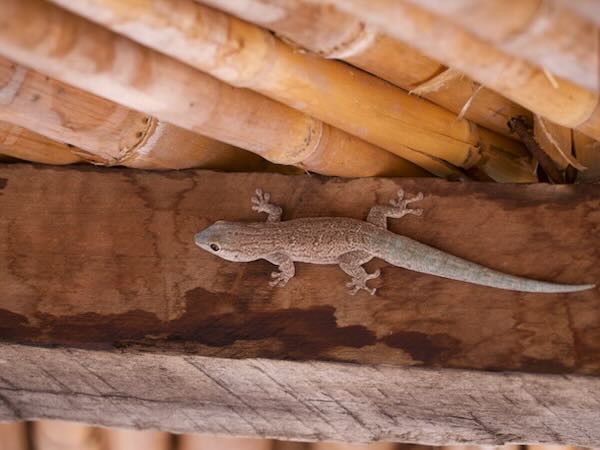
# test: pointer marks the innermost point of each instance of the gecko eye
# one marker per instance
(215, 247)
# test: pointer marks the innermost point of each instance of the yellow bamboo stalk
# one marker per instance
(106, 133)
(61, 435)
(41, 36)
(567, 104)
(121, 439)
(21, 143)
(244, 55)
(205, 442)
(542, 32)
(13, 436)
(587, 151)
(335, 34)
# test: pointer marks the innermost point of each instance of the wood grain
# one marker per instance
(105, 258)
(297, 400)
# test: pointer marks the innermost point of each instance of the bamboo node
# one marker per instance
(357, 44)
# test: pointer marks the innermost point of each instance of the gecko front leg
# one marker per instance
(286, 269)
(351, 263)
(260, 203)
(379, 213)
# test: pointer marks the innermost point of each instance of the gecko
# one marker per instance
(350, 243)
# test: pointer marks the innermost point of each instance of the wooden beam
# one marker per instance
(294, 400)
(111, 315)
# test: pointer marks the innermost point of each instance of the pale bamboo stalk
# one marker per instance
(106, 133)
(13, 436)
(345, 446)
(542, 32)
(121, 439)
(94, 59)
(24, 144)
(587, 151)
(589, 9)
(335, 34)
(568, 104)
(349, 99)
(205, 442)
(61, 435)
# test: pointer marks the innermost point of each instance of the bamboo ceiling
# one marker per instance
(336, 87)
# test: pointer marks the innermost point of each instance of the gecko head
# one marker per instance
(225, 240)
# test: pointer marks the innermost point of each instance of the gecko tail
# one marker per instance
(412, 255)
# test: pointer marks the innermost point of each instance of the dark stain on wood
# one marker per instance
(302, 333)
(423, 347)
(3, 183)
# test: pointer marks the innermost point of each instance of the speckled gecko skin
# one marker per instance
(350, 243)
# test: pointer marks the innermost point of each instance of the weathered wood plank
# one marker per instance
(297, 400)
(104, 258)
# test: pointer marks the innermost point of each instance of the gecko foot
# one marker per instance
(261, 203)
(402, 203)
(361, 283)
(279, 279)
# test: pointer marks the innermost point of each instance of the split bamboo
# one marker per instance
(543, 32)
(13, 436)
(565, 103)
(21, 143)
(46, 38)
(555, 140)
(247, 56)
(122, 439)
(334, 34)
(61, 435)
(106, 133)
(206, 442)
(587, 151)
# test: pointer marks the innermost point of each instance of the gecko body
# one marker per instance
(350, 243)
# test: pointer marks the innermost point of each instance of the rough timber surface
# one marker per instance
(105, 259)
(297, 400)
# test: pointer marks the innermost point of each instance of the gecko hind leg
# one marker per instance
(351, 263)
(261, 203)
(399, 208)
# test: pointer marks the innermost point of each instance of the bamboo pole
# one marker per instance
(106, 133)
(61, 435)
(567, 104)
(205, 442)
(542, 32)
(46, 38)
(335, 34)
(122, 439)
(590, 9)
(13, 436)
(244, 55)
(21, 143)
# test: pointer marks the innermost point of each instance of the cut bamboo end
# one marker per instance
(556, 142)
(111, 66)
(18, 142)
(547, 34)
(522, 82)
(334, 34)
(349, 99)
